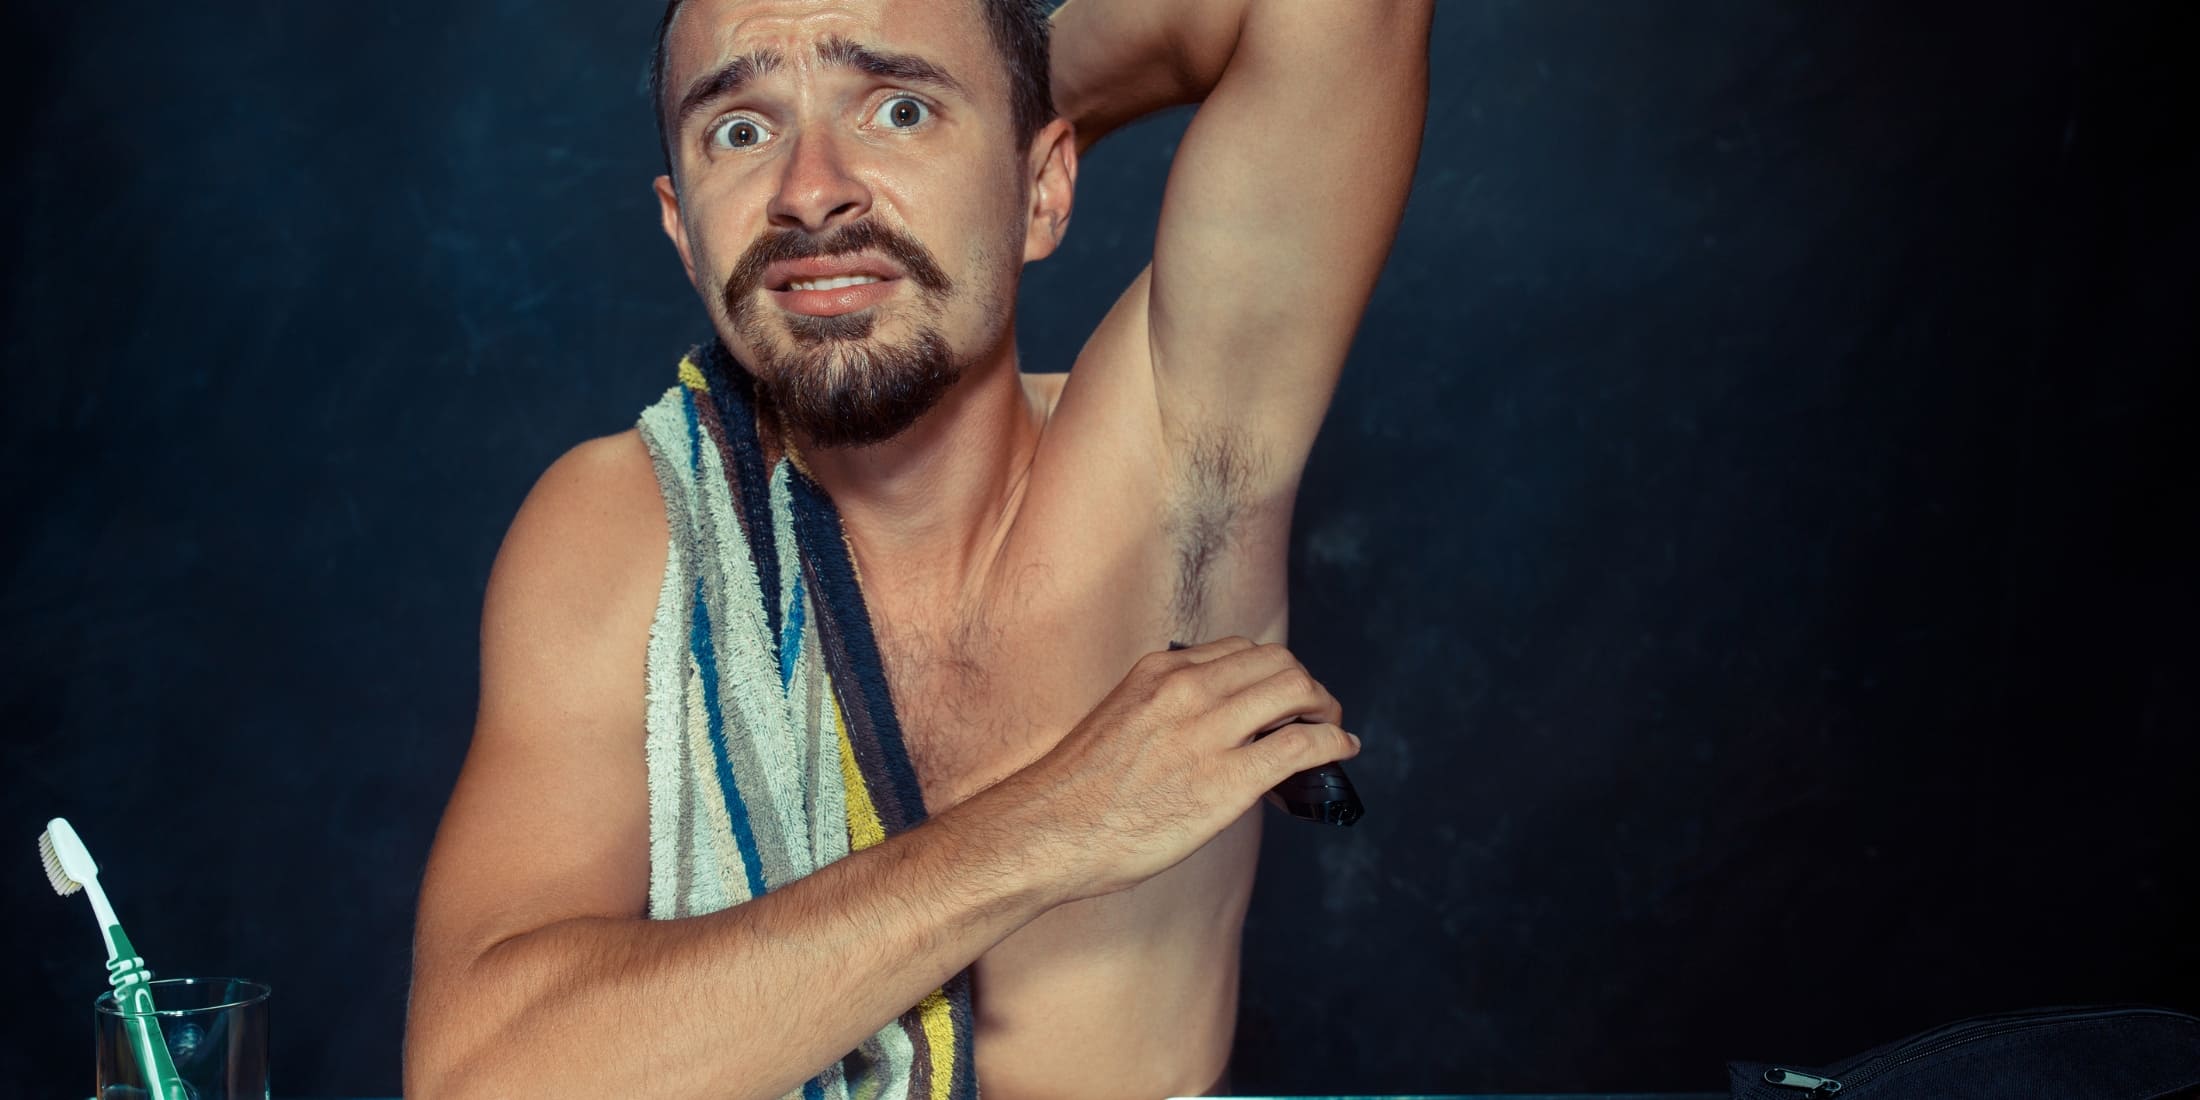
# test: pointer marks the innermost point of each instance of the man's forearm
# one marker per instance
(1114, 61)
(745, 1002)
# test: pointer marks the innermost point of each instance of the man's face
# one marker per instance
(851, 200)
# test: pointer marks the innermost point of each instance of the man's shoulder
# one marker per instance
(603, 463)
(602, 489)
(589, 541)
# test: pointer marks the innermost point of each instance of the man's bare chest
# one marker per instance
(1103, 559)
(981, 697)
(982, 693)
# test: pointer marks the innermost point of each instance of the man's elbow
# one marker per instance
(445, 1034)
(438, 1067)
(427, 1068)
(427, 1074)
(1363, 32)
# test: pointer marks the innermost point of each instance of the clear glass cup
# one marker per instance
(216, 1030)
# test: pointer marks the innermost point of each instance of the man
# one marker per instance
(853, 186)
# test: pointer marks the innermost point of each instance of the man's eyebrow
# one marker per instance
(724, 81)
(905, 68)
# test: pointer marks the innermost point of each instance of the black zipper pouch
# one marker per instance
(2110, 1052)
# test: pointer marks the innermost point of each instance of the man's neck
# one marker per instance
(928, 507)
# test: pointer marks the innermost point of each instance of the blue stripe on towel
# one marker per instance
(743, 837)
(790, 639)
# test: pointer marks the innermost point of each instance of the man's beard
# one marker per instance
(838, 387)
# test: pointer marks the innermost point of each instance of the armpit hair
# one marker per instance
(1207, 512)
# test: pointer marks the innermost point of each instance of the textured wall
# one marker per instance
(1748, 535)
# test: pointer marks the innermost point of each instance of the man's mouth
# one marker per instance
(830, 286)
(834, 282)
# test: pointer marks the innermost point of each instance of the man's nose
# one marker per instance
(817, 191)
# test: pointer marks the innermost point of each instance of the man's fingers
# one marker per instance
(1288, 694)
(1293, 749)
(1214, 650)
(1240, 669)
(1177, 660)
(1202, 676)
(1236, 689)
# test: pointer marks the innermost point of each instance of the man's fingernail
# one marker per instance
(1355, 739)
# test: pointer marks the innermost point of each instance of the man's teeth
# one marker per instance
(834, 283)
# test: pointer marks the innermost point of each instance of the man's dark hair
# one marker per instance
(1018, 29)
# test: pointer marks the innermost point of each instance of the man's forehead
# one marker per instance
(708, 33)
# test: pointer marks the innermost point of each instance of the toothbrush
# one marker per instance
(70, 868)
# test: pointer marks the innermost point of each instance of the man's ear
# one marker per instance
(668, 208)
(1052, 173)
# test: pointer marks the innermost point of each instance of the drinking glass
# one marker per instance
(216, 1030)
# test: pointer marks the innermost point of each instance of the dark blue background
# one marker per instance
(1751, 535)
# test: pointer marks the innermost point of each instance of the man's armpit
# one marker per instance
(1217, 490)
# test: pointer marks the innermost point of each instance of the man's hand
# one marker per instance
(1168, 760)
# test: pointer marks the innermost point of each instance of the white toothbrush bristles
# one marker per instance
(62, 883)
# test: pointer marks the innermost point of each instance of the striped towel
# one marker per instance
(772, 744)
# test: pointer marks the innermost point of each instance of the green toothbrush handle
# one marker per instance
(127, 974)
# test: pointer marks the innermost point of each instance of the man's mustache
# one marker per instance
(860, 236)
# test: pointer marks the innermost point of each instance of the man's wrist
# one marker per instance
(1009, 851)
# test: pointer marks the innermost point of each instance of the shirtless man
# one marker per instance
(1027, 544)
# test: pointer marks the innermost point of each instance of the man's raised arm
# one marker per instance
(1282, 201)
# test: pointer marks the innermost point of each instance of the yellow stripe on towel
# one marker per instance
(864, 829)
(939, 1034)
(691, 375)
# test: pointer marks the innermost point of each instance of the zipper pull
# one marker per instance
(1794, 1079)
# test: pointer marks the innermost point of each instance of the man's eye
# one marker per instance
(739, 132)
(901, 112)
